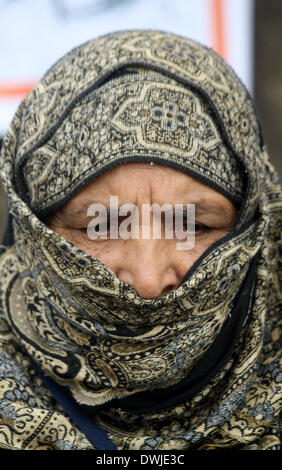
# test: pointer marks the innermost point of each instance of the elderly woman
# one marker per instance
(129, 342)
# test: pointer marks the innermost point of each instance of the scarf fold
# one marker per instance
(201, 364)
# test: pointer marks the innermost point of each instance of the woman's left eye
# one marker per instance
(199, 228)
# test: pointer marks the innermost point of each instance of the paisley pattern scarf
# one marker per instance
(195, 369)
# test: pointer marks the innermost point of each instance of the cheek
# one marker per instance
(115, 253)
(202, 243)
(184, 259)
(77, 238)
(103, 250)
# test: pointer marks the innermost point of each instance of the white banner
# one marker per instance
(35, 33)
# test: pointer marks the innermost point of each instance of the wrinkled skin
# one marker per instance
(153, 267)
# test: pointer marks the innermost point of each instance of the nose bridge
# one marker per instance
(148, 268)
(148, 256)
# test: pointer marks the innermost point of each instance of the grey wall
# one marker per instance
(268, 74)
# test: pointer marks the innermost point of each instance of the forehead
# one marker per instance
(139, 175)
(148, 183)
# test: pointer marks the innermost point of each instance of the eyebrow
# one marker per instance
(201, 207)
(81, 210)
(204, 207)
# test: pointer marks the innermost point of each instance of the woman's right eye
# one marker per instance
(103, 229)
(98, 228)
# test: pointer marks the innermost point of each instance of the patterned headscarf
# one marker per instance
(196, 368)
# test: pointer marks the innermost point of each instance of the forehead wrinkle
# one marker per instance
(132, 187)
(143, 188)
(149, 191)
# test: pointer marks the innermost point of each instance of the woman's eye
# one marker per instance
(186, 227)
(199, 228)
(83, 231)
(99, 228)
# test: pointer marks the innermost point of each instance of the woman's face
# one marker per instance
(154, 266)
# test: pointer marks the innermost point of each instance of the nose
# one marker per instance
(149, 267)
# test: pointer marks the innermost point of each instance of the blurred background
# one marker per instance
(247, 33)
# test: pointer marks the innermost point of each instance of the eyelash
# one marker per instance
(202, 229)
